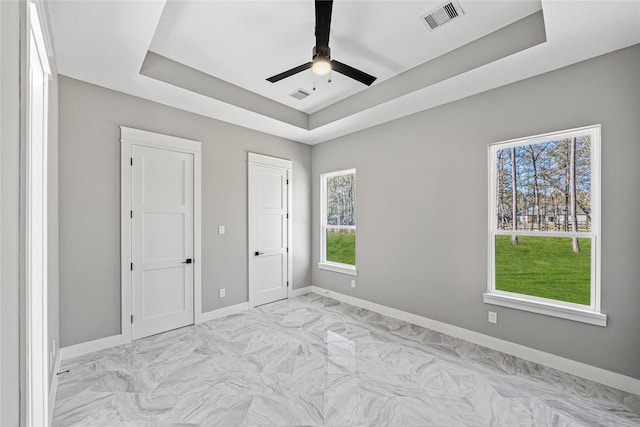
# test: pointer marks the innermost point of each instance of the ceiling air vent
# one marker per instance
(300, 94)
(442, 14)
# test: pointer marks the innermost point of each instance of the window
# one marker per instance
(544, 225)
(338, 217)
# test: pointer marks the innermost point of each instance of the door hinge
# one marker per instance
(287, 283)
(130, 214)
(287, 216)
(287, 182)
(132, 318)
(287, 250)
(131, 266)
(131, 161)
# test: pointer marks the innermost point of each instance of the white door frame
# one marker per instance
(35, 112)
(130, 137)
(262, 160)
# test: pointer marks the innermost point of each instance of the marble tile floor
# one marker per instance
(315, 361)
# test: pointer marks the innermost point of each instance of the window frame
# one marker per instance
(582, 313)
(324, 264)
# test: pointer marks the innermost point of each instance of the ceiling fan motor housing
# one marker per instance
(321, 51)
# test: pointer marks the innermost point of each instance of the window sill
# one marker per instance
(549, 309)
(338, 268)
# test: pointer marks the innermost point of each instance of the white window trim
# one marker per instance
(587, 314)
(324, 264)
(338, 267)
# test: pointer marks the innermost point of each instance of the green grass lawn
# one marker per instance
(341, 246)
(544, 267)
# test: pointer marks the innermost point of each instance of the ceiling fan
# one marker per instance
(321, 63)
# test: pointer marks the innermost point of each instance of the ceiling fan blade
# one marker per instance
(355, 74)
(323, 24)
(323, 27)
(290, 72)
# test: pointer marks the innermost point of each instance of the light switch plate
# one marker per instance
(221, 229)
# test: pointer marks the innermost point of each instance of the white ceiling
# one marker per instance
(244, 42)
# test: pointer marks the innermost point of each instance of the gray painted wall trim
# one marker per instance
(513, 38)
(166, 70)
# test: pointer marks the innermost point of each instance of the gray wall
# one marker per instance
(413, 254)
(9, 213)
(89, 159)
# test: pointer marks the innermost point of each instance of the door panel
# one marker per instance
(270, 190)
(161, 232)
(162, 240)
(162, 290)
(270, 266)
(269, 234)
(163, 178)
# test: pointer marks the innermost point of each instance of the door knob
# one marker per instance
(187, 261)
(258, 253)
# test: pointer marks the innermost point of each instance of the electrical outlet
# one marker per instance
(493, 317)
(353, 283)
(223, 293)
(221, 229)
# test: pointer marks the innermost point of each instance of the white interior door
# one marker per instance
(269, 234)
(161, 240)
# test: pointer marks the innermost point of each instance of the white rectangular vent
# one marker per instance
(300, 94)
(442, 14)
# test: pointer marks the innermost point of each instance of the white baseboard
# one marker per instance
(53, 388)
(225, 311)
(300, 291)
(593, 373)
(116, 340)
(91, 346)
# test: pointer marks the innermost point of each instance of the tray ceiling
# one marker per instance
(212, 57)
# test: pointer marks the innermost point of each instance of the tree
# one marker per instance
(501, 191)
(514, 196)
(341, 207)
(535, 151)
(572, 193)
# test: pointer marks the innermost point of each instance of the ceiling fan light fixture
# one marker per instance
(321, 61)
(321, 66)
